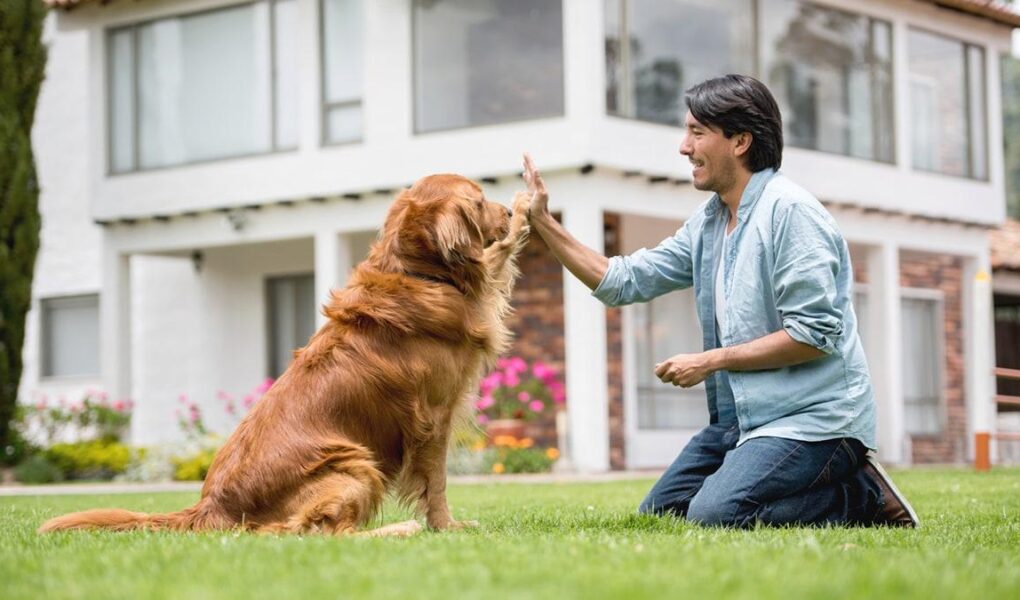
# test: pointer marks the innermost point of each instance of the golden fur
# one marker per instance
(367, 406)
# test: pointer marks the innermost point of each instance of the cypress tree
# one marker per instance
(22, 65)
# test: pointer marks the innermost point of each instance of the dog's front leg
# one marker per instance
(432, 470)
(499, 256)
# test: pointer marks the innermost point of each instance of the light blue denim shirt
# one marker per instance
(787, 267)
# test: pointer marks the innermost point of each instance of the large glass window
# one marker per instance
(342, 63)
(921, 317)
(655, 49)
(831, 73)
(291, 310)
(481, 62)
(69, 340)
(922, 365)
(947, 98)
(203, 86)
(664, 327)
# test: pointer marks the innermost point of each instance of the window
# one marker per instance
(923, 332)
(291, 312)
(69, 340)
(922, 365)
(831, 73)
(482, 62)
(342, 77)
(655, 49)
(203, 86)
(664, 327)
(947, 96)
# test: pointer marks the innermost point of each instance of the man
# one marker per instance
(790, 398)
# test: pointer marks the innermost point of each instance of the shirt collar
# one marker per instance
(755, 186)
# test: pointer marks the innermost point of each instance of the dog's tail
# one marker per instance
(115, 519)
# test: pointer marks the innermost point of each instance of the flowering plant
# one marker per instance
(189, 415)
(516, 390)
(94, 417)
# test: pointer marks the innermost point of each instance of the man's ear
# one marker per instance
(743, 143)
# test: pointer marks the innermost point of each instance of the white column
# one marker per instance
(332, 266)
(115, 323)
(584, 324)
(885, 349)
(902, 110)
(979, 349)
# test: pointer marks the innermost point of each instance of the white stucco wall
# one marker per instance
(196, 333)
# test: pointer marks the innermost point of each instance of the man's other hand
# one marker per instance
(686, 370)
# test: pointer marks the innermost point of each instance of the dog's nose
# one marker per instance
(509, 212)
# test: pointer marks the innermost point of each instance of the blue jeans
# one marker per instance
(767, 480)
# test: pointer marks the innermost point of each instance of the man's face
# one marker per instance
(712, 154)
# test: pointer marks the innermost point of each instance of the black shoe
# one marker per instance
(895, 511)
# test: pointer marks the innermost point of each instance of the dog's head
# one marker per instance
(439, 228)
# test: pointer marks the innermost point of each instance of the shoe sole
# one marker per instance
(871, 460)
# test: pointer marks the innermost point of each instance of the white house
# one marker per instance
(211, 168)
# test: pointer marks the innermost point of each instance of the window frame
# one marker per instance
(416, 131)
(627, 79)
(45, 354)
(966, 46)
(133, 27)
(939, 298)
(325, 106)
(270, 333)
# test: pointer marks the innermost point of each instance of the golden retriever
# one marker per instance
(367, 406)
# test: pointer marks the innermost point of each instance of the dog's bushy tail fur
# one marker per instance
(115, 519)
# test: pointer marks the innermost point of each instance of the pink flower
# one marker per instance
(230, 408)
(511, 379)
(183, 398)
(537, 406)
(119, 406)
(264, 386)
(485, 402)
(248, 401)
(559, 397)
(524, 397)
(224, 396)
(518, 364)
(542, 370)
(490, 382)
(483, 419)
(40, 405)
(503, 363)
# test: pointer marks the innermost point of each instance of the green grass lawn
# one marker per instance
(549, 540)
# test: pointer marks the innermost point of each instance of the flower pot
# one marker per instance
(514, 428)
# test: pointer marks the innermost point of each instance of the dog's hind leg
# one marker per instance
(344, 492)
(335, 504)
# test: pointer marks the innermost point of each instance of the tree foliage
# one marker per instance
(22, 65)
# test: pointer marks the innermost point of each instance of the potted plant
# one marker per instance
(514, 394)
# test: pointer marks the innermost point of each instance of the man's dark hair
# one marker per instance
(738, 103)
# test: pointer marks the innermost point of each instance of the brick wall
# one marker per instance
(614, 357)
(537, 321)
(538, 324)
(944, 273)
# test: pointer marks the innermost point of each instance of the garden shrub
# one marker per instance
(37, 469)
(95, 459)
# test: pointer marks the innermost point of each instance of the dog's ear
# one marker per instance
(459, 241)
(457, 236)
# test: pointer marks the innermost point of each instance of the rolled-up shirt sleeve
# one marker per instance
(646, 273)
(807, 263)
